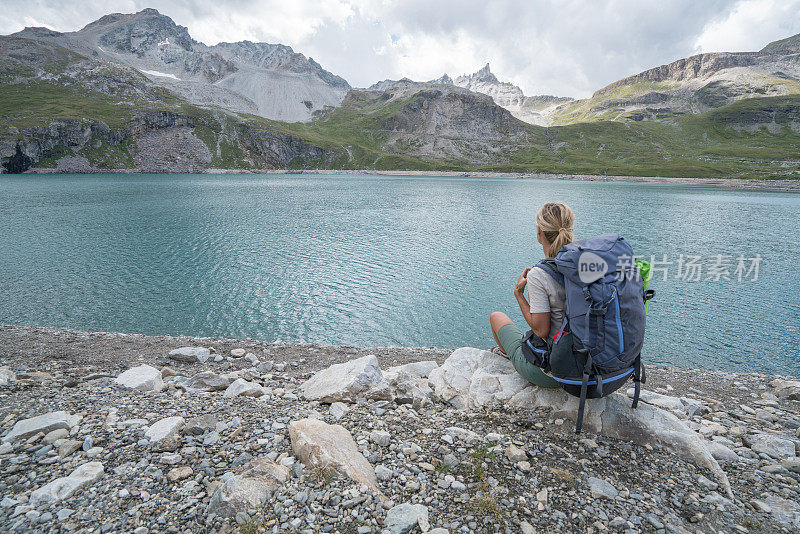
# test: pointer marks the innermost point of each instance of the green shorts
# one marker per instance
(511, 341)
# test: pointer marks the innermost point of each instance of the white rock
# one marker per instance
(41, 423)
(599, 488)
(6, 376)
(251, 358)
(237, 353)
(462, 433)
(338, 410)
(63, 487)
(613, 416)
(402, 518)
(380, 438)
(242, 387)
(789, 389)
(250, 490)
(141, 378)
(414, 369)
(515, 454)
(164, 428)
(783, 510)
(771, 445)
(347, 381)
(721, 452)
(681, 406)
(320, 445)
(190, 354)
(473, 379)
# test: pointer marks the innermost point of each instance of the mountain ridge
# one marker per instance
(135, 92)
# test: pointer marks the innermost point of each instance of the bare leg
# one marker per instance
(498, 320)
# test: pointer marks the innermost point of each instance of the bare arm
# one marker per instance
(539, 322)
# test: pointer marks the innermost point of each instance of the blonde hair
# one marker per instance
(555, 220)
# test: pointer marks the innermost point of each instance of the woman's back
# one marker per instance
(545, 295)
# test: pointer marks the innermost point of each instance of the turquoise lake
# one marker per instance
(386, 260)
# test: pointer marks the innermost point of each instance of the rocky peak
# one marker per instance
(784, 46)
(483, 76)
(138, 33)
(443, 80)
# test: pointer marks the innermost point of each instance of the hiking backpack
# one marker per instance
(604, 313)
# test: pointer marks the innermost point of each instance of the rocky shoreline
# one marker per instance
(784, 186)
(105, 432)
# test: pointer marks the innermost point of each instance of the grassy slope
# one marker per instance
(701, 145)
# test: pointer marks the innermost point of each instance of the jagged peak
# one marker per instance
(483, 75)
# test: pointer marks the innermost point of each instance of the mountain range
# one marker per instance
(135, 92)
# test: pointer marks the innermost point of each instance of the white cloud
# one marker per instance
(750, 25)
(564, 47)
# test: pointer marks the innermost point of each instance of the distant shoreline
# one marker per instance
(785, 186)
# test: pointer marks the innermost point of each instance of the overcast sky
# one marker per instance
(561, 47)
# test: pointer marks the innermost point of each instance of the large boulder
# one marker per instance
(249, 490)
(141, 378)
(210, 381)
(614, 417)
(348, 381)
(61, 488)
(474, 379)
(789, 389)
(190, 354)
(471, 378)
(330, 447)
(41, 423)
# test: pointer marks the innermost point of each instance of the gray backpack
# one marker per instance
(604, 319)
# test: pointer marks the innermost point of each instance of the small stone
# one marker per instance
(179, 473)
(190, 354)
(515, 454)
(383, 473)
(164, 428)
(238, 353)
(338, 410)
(69, 447)
(380, 438)
(402, 518)
(55, 435)
(141, 378)
(167, 372)
(241, 387)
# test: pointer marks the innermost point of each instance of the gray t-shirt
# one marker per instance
(546, 295)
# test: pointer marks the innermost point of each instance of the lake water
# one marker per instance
(383, 260)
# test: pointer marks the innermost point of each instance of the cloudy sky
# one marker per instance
(561, 47)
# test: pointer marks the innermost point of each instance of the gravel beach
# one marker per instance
(105, 432)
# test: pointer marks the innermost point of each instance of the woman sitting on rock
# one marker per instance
(544, 308)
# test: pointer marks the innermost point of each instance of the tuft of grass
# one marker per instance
(251, 526)
(323, 475)
(485, 505)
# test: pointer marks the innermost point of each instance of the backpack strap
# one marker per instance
(587, 369)
(549, 266)
(638, 378)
